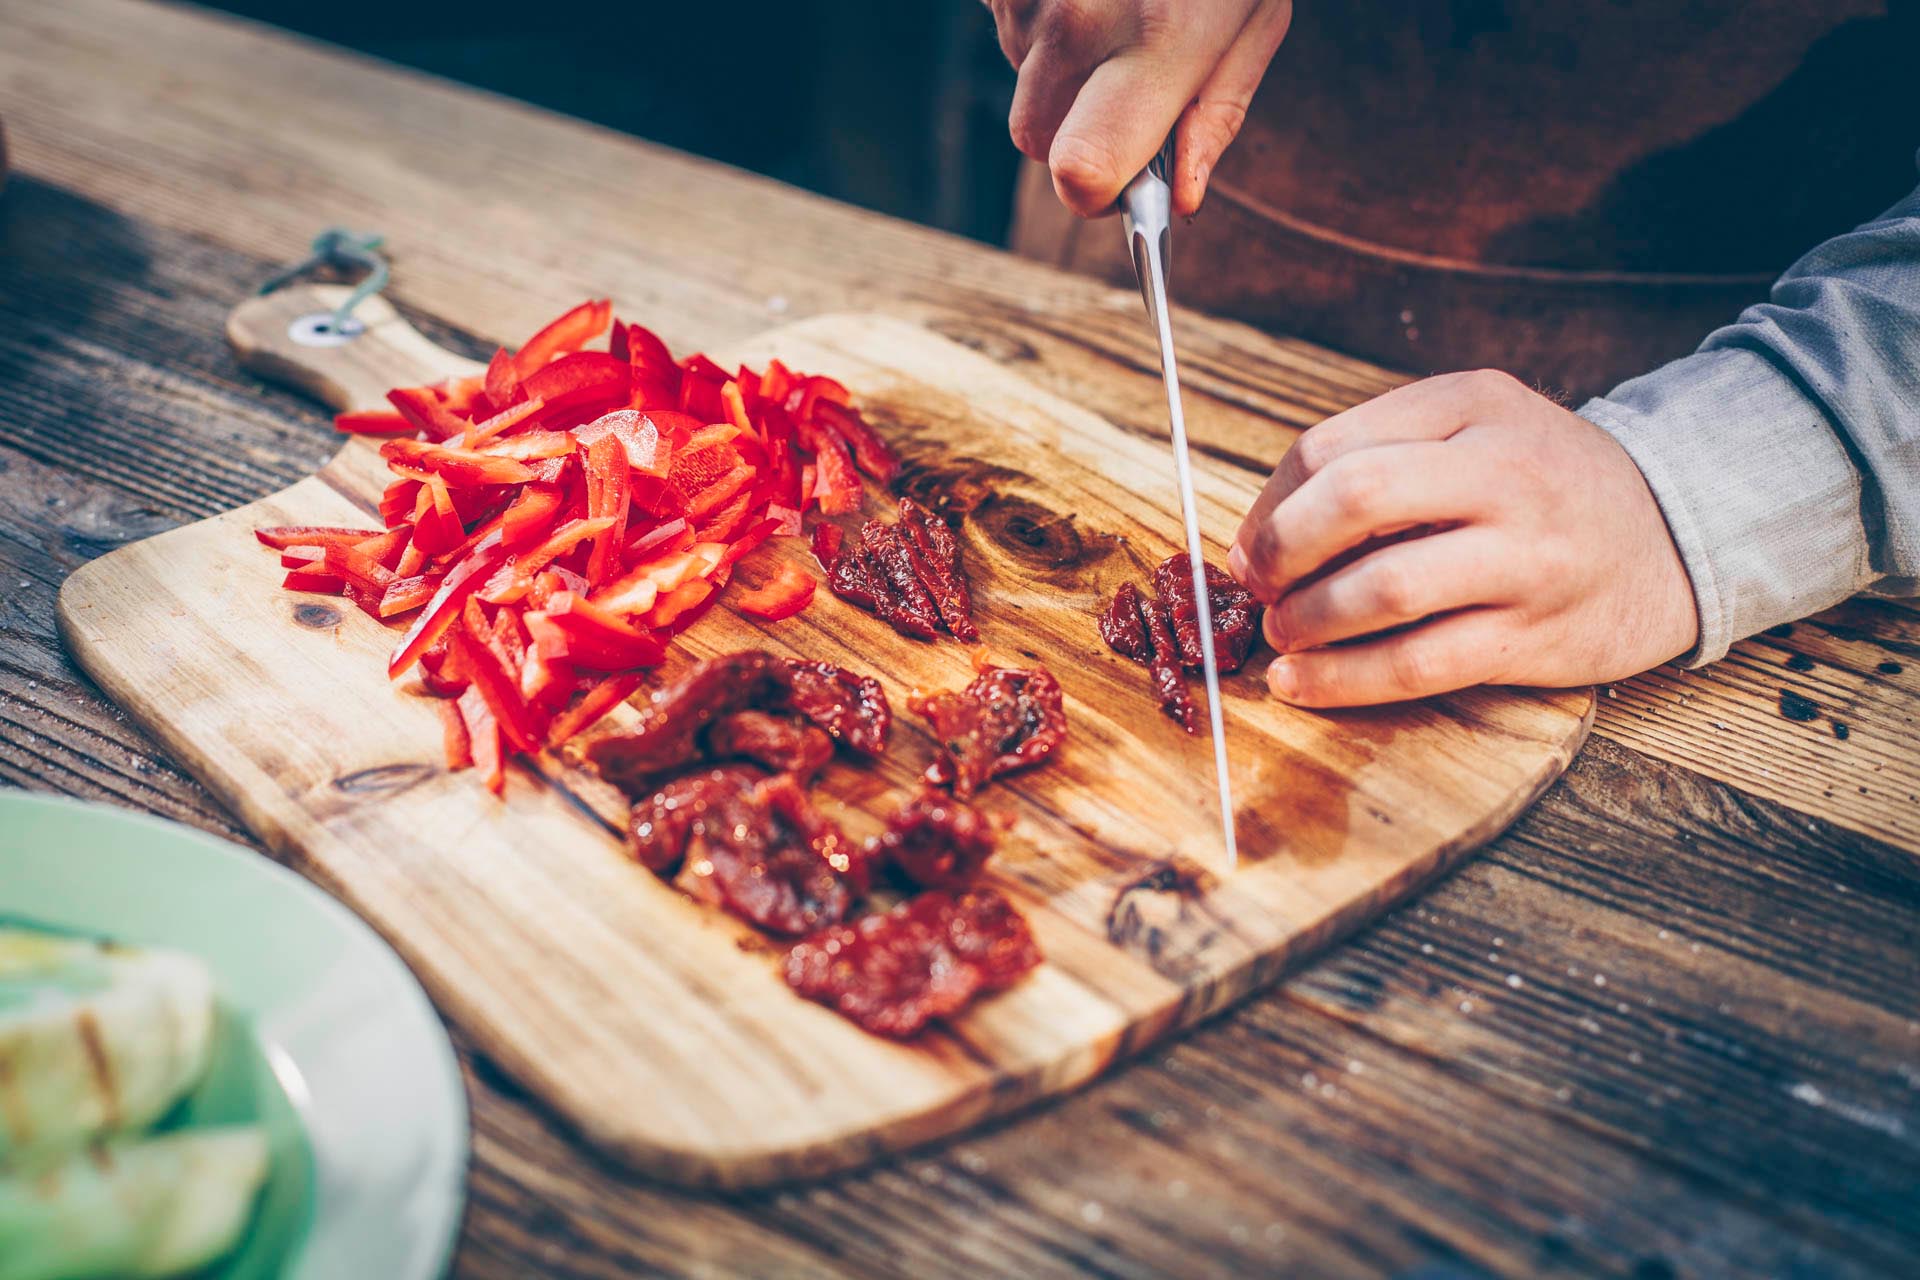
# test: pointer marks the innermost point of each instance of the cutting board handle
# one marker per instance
(287, 336)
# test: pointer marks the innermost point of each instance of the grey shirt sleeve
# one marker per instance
(1785, 452)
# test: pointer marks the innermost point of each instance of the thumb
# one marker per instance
(1122, 115)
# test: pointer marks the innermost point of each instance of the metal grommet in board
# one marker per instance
(325, 329)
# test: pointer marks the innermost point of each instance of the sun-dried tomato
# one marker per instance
(771, 858)
(668, 735)
(662, 824)
(1163, 667)
(1236, 616)
(937, 841)
(783, 745)
(902, 601)
(927, 958)
(935, 556)
(1003, 721)
(852, 709)
(1122, 626)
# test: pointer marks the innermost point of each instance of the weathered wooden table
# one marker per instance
(1668, 1024)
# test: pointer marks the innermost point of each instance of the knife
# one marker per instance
(1147, 214)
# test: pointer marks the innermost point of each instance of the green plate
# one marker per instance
(324, 1036)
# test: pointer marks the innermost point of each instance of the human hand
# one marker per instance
(1519, 541)
(1103, 82)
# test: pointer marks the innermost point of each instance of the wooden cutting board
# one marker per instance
(660, 1028)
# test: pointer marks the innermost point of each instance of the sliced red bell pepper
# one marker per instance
(405, 594)
(421, 407)
(678, 602)
(531, 515)
(578, 378)
(453, 735)
(608, 497)
(727, 523)
(808, 391)
(723, 490)
(645, 349)
(465, 578)
(483, 736)
(736, 406)
(440, 672)
(465, 468)
(530, 446)
(674, 535)
(331, 584)
(282, 536)
(545, 684)
(786, 520)
(869, 450)
(502, 379)
(636, 433)
(570, 332)
(751, 539)
(592, 707)
(515, 578)
(650, 495)
(500, 688)
(478, 433)
(790, 591)
(776, 382)
(461, 395)
(826, 543)
(836, 485)
(572, 630)
(372, 422)
(358, 569)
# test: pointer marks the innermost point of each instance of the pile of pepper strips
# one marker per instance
(555, 521)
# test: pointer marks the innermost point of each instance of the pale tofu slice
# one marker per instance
(94, 1039)
(132, 1207)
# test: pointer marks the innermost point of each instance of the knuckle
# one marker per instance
(1313, 451)
(1491, 387)
(1394, 592)
(1353, 487)
(1071, 24)
(1415, 668)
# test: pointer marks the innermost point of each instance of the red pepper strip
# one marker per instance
(736, 407)
(412, 561)
(570, 332)
(359, 569)
(730, 519)
(617, 340)
(722, 491)
(636, 433)
(749, 541)
(436, 523)
(650, 495)
(466, 468)
(531, 446)
(808, 391)
(782, 468)
(423, 409)
(826, 543)
(406, 594)
(302, 557)
(282, 536)
(509, 641)
(531, 514)
(776, 382)
(608, 497)
(786, 520)
(678, 601)
(807, 496)
(716, 433)
(544, 684)
(440, 672)
(790, 591)
(674, 535)
(460, 395)
(453, 736)
(483, 736)
(835, 483)
(500, 688)
(595, 704)
(701, 397)
(515, 578)
(645, 350)
(869, 450)
(372, 422)
(387, 547)
(398, 499)
(502, 381)
(314, 580)
(572, 630)
(637, 591)
(478, 433)
(578, 378)
(466, 577)
(701, 366)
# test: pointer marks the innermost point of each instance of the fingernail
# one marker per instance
(1282, 679)
(1237, 563)
(1270, 628)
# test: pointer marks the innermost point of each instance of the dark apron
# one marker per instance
(1575, 192)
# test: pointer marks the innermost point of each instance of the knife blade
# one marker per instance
(1147, 215)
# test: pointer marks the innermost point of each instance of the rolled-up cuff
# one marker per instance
(1762, 500)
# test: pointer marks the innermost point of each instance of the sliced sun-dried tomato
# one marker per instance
(851, 708)
(937, 841)
(1005, 720)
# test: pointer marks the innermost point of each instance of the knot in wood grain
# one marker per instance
(383, 779)
(1040, 538)
(321, 617)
